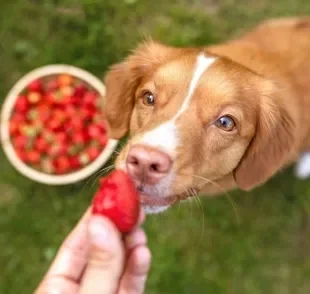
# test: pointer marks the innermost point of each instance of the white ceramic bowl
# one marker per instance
(6, 112)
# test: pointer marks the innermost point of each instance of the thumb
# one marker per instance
(106, 258)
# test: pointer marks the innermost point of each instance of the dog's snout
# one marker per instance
(147, 164)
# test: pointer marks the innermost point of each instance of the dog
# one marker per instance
(211, 119)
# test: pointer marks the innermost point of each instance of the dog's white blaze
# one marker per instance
(202, 64)
(166, 135)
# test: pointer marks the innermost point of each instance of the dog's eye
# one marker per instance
(148, 99)
(225, 123)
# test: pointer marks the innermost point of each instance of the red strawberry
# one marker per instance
(59, 115)
(75, 100)
(57, 150)
(34, 97)
(87, 114)
(65, 80)
(62, 165)
(103, 140)
(76, 123)
(52, 85)
(21, 155)
(94, 131)
(75, 162)
(79, 138)
(22, 104)
(54, 124)
(80, 90)
(118, 199)
(90, 98)
(61, 137)
(44, 112)
(70, 110)
(93, 152)
(40, 144)
(33, 156)
(13, 127)
(57, 98)
(35, 86)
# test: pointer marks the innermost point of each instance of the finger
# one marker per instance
(106, 259)
(70, 261)
(135, 275)
(134, 239)
(141, 218)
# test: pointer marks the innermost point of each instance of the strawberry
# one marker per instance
(79, 138)
(75, 100)
(59, 115)
(67, 91)
(90, 98)
(77, 123)
(84, 159)
(47, 166)
(94, 131)
(33, 156)
(93, 152)
(52, 85)
(29, 130)
(40, 144)
(34, 97)
(118, 199)
(87, 114)
(75, 162)
(44, 112)
(57, 98)
(54, 124)
(32, 114)
(13, 127)
(35, 86)
(62, 165)
(80, 90)
(70, 110)
(22, 104)
(65, 80)
(61, 137)
(57, 150)
(103, 140)
(21, 155)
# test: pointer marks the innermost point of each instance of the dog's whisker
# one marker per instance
(100, 172)
(103, 171)
(191, 202)
(199, 204)
(226, 194)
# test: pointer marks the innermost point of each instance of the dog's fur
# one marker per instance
(261, 80)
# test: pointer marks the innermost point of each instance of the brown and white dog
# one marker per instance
(215, 118)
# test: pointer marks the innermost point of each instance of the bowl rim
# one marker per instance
(6, 112)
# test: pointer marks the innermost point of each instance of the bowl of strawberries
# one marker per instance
(52, 125)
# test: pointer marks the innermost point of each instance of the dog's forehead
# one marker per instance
(166, 135)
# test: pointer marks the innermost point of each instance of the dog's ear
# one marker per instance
(271, 146)
(122, 81)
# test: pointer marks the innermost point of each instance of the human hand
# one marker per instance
(95, 258)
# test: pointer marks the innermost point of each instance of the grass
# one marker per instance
(207, 247)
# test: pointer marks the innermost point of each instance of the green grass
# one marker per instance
(262, 246)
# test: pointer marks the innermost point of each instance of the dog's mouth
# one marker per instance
(151, 200)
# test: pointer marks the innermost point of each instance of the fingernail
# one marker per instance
(98, 233)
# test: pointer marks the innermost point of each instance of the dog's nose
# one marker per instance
(147, 164)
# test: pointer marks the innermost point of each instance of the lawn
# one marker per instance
(256, 242)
